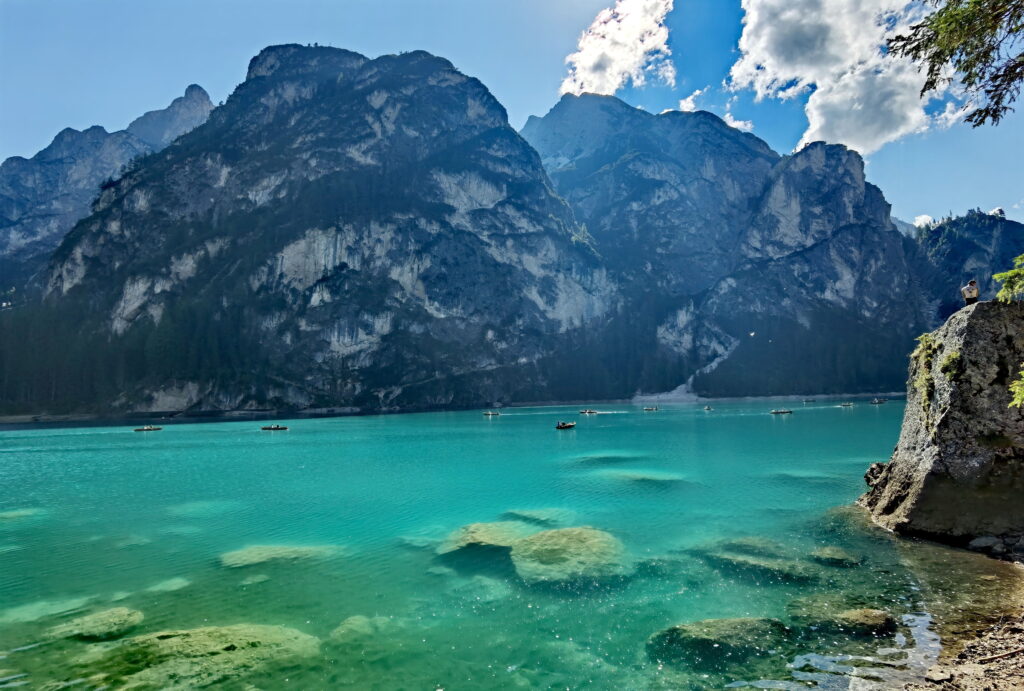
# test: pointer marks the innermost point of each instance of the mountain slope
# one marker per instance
(760, 274)
(343, 231)
(41, 198)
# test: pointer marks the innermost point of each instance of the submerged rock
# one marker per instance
(762, 568)
(716, 645)
(835, 556)
(866, 622)
(42, 609)
(958, 470)
(358, 627)
(262, 554)
(370, 639)
(255, 579)
(18, 514)
(170, 585)
(548, 518)
(497, 534)
(99, 626)
(652, 478)
(570, 555)
(753, 545)
(200, 657)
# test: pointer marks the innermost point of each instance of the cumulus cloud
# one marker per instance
(833, 51)
(923, 220)
(689, 104)
(625, 44)
(745, 125)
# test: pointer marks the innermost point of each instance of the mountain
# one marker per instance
(974, 245)
(342, 231)
(754, 273)
(371, 234)
(41, 198)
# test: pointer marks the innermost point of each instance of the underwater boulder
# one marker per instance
(753, 545)
(761, 569)
(261, 554)
(569, 555)
(835, 556)
(548, 518)
(717, 645)
(99, 626)
(196, 658)
(866, 622)
(497, 534)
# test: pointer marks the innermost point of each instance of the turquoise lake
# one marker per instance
(99, 517)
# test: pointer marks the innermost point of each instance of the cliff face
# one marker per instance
(41, 198)
(958, 470)
(974, 245)
(745, 273)
(343, 231)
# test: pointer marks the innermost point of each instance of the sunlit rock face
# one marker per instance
(41, 198)
(744, 272)
(958, 471)
(350, 231)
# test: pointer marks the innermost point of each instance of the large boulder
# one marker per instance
(196, 658)
(99, 626)
(570, 555)
(716, 645)
(958, 470)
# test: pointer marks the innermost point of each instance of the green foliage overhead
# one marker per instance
(982, 41)
(1013, 282)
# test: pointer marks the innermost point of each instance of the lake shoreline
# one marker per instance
(55, 421)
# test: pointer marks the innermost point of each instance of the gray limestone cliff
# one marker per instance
(343, 231)
(42, 197)
(744, 272)
(957, 472)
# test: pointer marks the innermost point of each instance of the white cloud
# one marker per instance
(923, 220)
(745, 125)
(624, 44)
(832, 49)
(689, 104)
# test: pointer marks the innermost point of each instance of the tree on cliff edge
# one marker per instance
(982, 41)
(1013, 289)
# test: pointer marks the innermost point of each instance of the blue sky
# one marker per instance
(73, 63)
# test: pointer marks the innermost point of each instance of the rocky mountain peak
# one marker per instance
(158, 128)
(293, 59)
(41, 198)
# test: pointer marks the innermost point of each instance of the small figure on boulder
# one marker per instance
(970, 292)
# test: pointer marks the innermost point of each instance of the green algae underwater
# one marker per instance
(671, 549)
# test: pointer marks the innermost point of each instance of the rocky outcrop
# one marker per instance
(958, 470)
(41, 198)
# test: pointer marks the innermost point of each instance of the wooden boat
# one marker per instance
(588, 411)
(491, 413)
(707, 407)
(274, 428)
(782, 411)
(808, 400)
(650, 410)
(845, 405)
(878, 401)
(148, 428)
(565, 425)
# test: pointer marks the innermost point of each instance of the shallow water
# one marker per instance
(141, 519)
